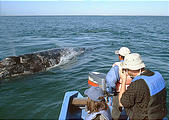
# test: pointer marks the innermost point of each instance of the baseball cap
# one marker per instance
(123, 51)
(94, 93)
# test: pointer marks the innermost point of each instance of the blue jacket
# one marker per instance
(111, 78)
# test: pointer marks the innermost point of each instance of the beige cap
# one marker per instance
(123, 51)
(133, 61)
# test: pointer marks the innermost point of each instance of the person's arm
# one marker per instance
(135, 93)
(123, 76)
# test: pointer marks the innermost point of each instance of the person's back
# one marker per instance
(113, 76)
(156, 92)
(101, 115)
(145, 98)
(113, 81)
(96, 105)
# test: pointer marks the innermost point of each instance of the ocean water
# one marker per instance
(39, 96)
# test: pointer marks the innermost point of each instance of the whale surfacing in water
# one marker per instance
(35, 62)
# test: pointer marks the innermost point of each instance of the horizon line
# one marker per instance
(76, 15)
(84, 1)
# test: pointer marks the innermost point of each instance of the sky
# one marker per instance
(84, 7)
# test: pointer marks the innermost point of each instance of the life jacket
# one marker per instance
(119, 82)
(105, 113)
(157, 103)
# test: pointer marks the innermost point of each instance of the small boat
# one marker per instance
(73, 106)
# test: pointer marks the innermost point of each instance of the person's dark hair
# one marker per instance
(96, 106)
(122, 57)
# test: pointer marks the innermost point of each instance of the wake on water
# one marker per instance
(69, 54)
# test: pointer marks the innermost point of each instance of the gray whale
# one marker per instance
(35, 62)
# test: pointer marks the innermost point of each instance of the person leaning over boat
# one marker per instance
(113, 82)
(96, 105)
(145, 98)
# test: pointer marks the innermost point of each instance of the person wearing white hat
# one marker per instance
(113, 82)
(145, 98)
(122, 52)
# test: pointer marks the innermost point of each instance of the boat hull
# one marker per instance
(69, 111)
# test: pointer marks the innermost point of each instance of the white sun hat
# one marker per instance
(133, 61)
(123, 51)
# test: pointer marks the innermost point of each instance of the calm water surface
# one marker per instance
(40, 96)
